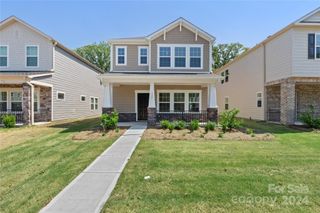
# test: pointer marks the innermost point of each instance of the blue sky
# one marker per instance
(77, 23)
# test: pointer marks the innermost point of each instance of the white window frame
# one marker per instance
(172, 56)
(125, 55)
(37, 91)
(10, 99)
(95, 102)
(5, 56)
(226, 102)
(85, 98)
(7, 100)
(186, 99)
(139, 55)
(179, 102)
(259, 98)
(185, 56)
(25, 55)
(165, 102)
(315, 45)
(64, 96)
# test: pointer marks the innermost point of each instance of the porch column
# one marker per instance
(152, 111)
(27, 106)
(212, 109)
(107, 98)
(287, 102)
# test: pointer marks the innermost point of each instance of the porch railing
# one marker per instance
(17, 114)
(201, 116)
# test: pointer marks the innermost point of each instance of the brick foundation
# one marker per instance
(127, 117)
(152, 116)
(212, 114)
(287, 102)
(45, 110)
(107, 110)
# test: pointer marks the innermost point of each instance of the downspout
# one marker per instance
(264, 82)
(32, 101)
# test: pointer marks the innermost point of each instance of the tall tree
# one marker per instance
(223, 53)
(97, 54)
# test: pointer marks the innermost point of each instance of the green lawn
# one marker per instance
(220, 176)
(35, 167)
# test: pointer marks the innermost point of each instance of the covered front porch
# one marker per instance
(155, 97)
(288, 98)
(28, 100)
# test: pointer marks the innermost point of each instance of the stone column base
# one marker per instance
(107, 110)
(152, 116)
(212, 114)
(26, 104)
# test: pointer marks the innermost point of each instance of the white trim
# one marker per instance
(25, 55)
(38, 83)
(85, 98)
(37, 91)
(136, 92)
(172, 56)
(94, 103)
(139, 55)
(111, 57)
(257, 98)
(5, 45)
(8, 91)
(64, 96)
(125, 55)
(186, 99)
(315, 45)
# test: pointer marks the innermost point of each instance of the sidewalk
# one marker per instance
(90, 190)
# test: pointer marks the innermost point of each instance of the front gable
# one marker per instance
(315, 18)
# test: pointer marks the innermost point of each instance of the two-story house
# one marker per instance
(42, 80)
(165, 75)
(277, 79)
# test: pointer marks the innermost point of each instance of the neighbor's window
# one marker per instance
(121, 55)
(3, 101)
(179, 100)
(96, 103)
(259, 99)
(194, 102)
(164, 102)
(317, 46)
(222, 77)
(3, 56)
(16, 101)
(60, 95)
(92, 103)
(36, 102)
(143, 55)
(226, 103)
(82, 98)
(180, 57)
(195, 57)
(32, 56)
(165, 57)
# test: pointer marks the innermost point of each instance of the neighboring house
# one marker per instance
(277, 79)
(41, 80)
(165, 75)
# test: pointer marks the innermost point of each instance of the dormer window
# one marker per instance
(32, 56)
(195, 57)
(121, 55)
(180, 57)
(143, 56)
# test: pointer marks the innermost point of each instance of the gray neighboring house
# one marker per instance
(41, 80)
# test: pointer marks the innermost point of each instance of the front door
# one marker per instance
(143, 101)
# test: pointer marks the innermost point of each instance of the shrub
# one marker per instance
(310, 119)
(229, 120)
(9, 121)
(249, 131)
(179, 125)
(171, 127)
(109, 121)
(194, 125)
(164, 124)
(209, 126)
(220, 135)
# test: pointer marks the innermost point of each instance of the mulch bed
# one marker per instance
(97, 133)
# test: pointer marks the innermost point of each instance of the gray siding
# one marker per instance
(74, 78)
(17, 36)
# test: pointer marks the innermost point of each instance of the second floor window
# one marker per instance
(143, 56)
(165, 57)
(195, 57)
(318, 46)
(121, 55)
(3, 56)
(314, 46)
(180, 57)
(32, 56)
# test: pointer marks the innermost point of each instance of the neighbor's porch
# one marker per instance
(159, 99)
(28, 101)
(288, 98)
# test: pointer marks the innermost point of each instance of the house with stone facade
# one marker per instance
(165, 75)
(279, 78)
(41, 80)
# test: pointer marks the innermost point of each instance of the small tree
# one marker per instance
(229, 121)
(310, 119)
(109, 121)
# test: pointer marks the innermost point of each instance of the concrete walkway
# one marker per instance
(90, 190)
